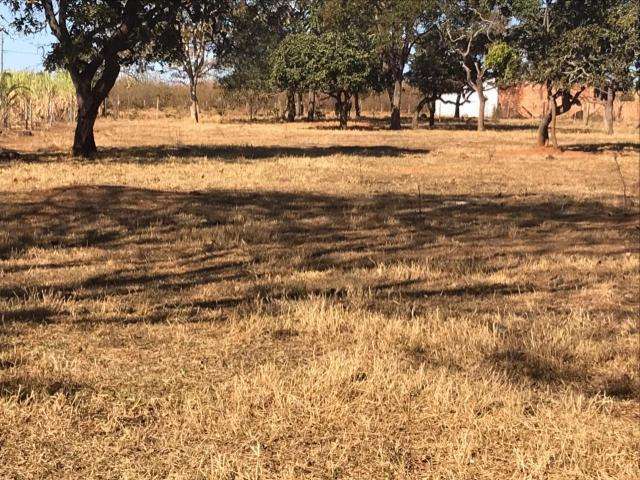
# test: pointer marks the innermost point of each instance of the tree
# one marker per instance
(202, 38)
(470, 27)
(256, 34)
(290, 66)
(435, 71)
(339, 65)
(93, 41)
(565, 47)
(615, 47)
(396, 26)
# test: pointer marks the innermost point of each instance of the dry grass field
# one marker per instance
(271, 301)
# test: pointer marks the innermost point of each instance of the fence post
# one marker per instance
(157, 107)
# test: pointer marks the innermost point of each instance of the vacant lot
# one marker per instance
(291, 301)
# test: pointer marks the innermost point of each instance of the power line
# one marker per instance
(22, 52)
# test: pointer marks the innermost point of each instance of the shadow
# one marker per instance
(473, 126)
(288, 232)
(371, 124)
(523, 365)
(34, 316)
(228, 153)
(122, 255)
(604, 147)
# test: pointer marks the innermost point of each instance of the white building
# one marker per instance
(469, 109)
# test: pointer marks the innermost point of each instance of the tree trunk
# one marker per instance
(291, 105)
(608, 110)
(299, 104)
(543, 129)
(249, 103)
(586, 114)
(416, 113)
(432, 114)
(311, 108)
(553, 109)
(193, 96)
(396, 118)
(84, 143)
(456, 114)
(343, 110)
(481, 105)
(356, 100)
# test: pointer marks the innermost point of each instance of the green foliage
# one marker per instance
(258, 28)
(504, 62)
(435, 68)
(567, 43)
(83, 28)
(336, 64)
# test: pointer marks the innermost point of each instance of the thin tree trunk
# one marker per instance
(543, 129)
(554, 116)
(432, 114)
(311, 107)
(546, 118)
(343, 110)
(356, 100)
(416, 113)
(608, 110)
(193, 96)
(299, 104)
(456, 114)
(291, 105)
(481, 104)
(396, 118)
(586, 114)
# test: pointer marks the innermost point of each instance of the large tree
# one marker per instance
(614, 43)
(565, 44)
(470, 27)
(338, 64)
(258, 30)
(396, 26)
(435, 71)
(93, 41)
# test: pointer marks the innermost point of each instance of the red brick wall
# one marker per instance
(528, 101)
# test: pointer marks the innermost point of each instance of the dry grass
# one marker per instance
(290, 301)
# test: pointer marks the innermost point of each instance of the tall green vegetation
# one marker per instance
(28, 96)
(435, 71)
(614, 44)
(471, 27)
(343, 48)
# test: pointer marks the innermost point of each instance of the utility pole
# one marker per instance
(1, 52)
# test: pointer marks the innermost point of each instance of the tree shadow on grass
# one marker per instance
(210, 255)
(238, 236)
(371, 124)
(228, 153)
(604, 147)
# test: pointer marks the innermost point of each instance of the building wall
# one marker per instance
(528, 101)
(469, 109)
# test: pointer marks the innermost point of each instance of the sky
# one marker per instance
(23, 53)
